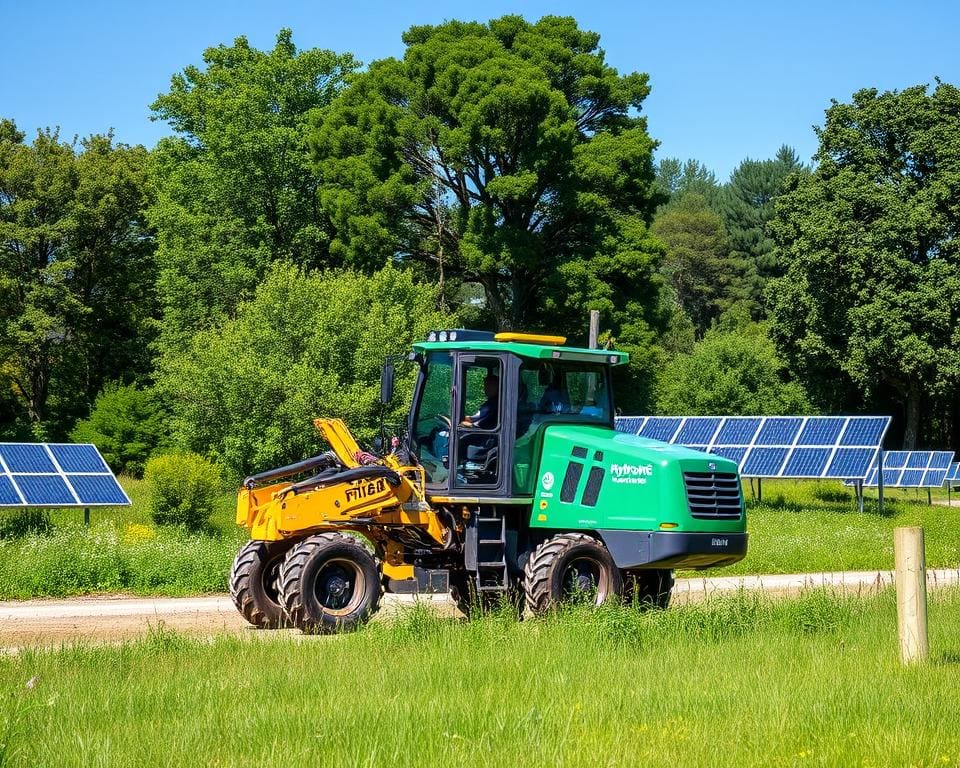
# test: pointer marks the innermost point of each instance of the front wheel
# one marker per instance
(570, 568)
(329, 583)
(254, 582)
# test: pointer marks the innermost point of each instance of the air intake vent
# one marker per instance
(570, 481)
(713, 495)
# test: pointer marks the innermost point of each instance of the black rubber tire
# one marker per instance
(319, 574)
(566, 558)
(254, 582)
(649, 588)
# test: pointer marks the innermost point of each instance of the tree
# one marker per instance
(747, 206)
(76, 271)
(507, 154)
(306, 345)
(675, 179)
(733, 370)
(871, 298)
(705, 281)
(235, 189)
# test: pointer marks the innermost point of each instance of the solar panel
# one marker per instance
(56, 475)
(954, 472)
(839, 447)
(912, 469)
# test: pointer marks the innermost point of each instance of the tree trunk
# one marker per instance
(913, 418)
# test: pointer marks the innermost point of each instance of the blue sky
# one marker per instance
(730, 79)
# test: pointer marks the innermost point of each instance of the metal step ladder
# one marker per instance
(491, 575)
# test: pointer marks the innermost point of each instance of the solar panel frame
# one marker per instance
(82, 467)
(747, 440)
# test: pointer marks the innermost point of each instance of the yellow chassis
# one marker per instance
(369, 507)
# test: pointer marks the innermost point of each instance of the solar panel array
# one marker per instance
(774, 446)
(953, 474)
(56, 475)
(911, 469)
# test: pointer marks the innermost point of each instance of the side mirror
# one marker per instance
(386, 382)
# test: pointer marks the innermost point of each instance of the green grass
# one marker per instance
(735, 681)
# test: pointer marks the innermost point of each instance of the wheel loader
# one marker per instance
(507, 485)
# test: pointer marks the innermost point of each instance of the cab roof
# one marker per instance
(524, 345)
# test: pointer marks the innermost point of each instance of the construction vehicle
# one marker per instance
(508, 483)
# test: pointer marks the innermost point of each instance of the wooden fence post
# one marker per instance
(911, 582)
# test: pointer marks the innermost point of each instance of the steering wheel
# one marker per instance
(444, 420)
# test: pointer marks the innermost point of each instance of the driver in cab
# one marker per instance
(488, 415)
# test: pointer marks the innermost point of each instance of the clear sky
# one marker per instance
(730, 79)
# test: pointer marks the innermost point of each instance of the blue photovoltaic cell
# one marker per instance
(629, 424)
(8, 494)
(734, 454)
(27, 458)
(941, 460)
(918, 459)
(954, 473)
(660, 428)
(737, 432)
(764, 462)
(933, 477)
(807, 462)
(697, 431)
(78, 458)
(911, 477)
(820, 431)
(895, 459)
(851, 462)
(890, 477)
(865, 431)
(97, 489)
(44, 490)
(779, 431)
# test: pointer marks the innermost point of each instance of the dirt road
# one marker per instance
(108, 619)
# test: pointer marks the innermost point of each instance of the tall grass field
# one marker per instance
(736, 681)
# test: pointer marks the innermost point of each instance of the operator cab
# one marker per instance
(482, 401)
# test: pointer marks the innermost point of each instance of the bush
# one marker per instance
(182, 489)
(16, 525)
(127, 425)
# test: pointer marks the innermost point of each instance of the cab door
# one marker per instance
(482, 415)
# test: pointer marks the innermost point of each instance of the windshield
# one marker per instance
(431, 422)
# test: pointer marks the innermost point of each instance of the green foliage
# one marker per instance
(506, 154)
(183, 489)
(871, 299)
(235, 191)
(307, 345)
(21, 522)
(126, 424)
(747, 206)
(698, 267)
(76, 272)
(731, 371)
(74, 560)
(675, 179)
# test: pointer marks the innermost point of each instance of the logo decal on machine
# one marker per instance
(547, 481)
(362, 490)
(635, 474)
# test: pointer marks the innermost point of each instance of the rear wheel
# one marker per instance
(329, 583)
(648, 588)
(570, 568)
(254, 582)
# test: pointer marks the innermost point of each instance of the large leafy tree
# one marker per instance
(747, 206)
(235, 188)
(506, 154)
(306, 345)
(871, 298)
(76, 272)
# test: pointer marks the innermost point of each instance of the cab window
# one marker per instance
(431, 426)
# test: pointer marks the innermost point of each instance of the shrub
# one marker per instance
(127, 425)
(182, 489)
(16, 525)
